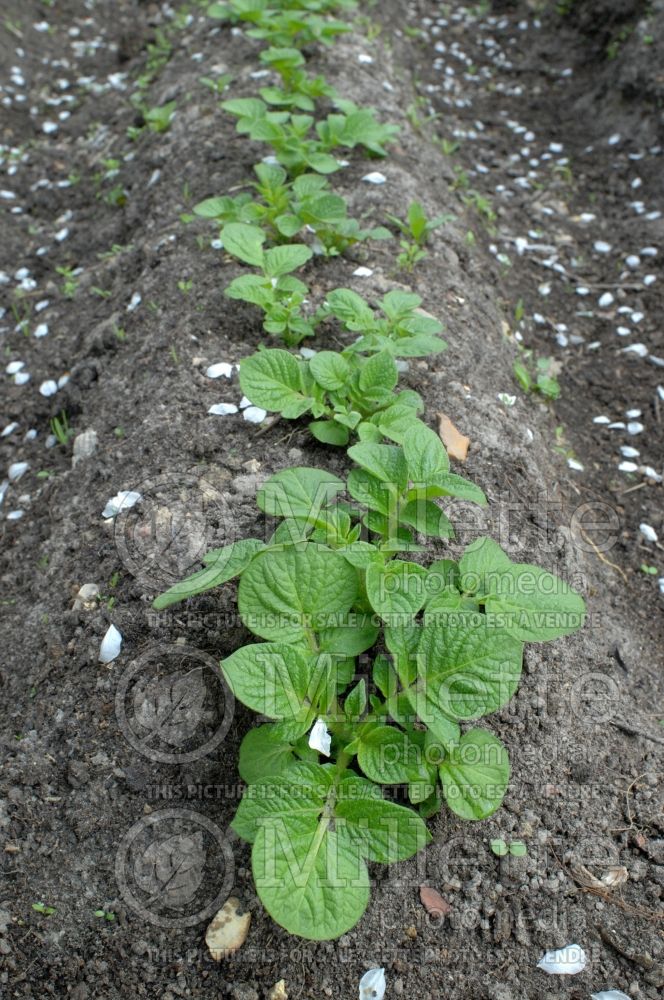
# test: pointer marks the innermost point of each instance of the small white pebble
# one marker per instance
(222, 409)
(254, 414)
(221, 369)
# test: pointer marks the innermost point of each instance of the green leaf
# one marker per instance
(221, 565)
(310, 880)
(299, 792)
(395, 421)
(356, 701)
(396, 589)
(285, 595)
(283, 260)
(330, 369)
(534, 605)
(244, 242)
(372, 492)
(448, 484)
(351, 637)
(427, 518)
(481, 561)
(273, 679)
(424, 452)
(378, 372)
(299, 493)
(389, 757)
(351, 309)
(330, 432)
(475, 775)
(467, 667)
(268, 750)
(384, 461)
(384, 831)
(273, 379)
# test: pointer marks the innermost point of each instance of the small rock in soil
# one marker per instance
(228, 931)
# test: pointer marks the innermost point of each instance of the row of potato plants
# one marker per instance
(370, 663)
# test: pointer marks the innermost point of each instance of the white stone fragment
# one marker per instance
(254, 414)
(121, 502)
(111, 645)
(222, 409)
(373, 985)
(221, 370)
(648, 532)
(566, 961)
(319, 738)
(16, 470)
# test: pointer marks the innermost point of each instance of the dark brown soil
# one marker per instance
(80, 801)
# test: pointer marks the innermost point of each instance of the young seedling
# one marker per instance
(61, 430)
(284, 208)
(516, 848)
(274, 289)
(318, 595)
(46, 911)
(416, 226)
(538, 378)
(105, 915)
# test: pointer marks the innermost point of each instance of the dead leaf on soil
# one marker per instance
(433, 902)
(456, 443)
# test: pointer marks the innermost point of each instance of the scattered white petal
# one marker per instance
(120, 503)
(601, 420)
(639, 349)
(364, 58)
(245, 402)
(602, 247)
(634, 427)
(632, 414)
(41, 330)
(573, 464)
(628, 467)
(660, 583)
(649, 280)
(111, 645)
(307, 353)
(605, 300)
(254, 414)
(319, 738)
(50, 127)
(362, 272)
(48, 388)
(221, 369)
(134, 302)
(506, 399)
(628, 452)
(9, 429)
(16, 470)
(222, 409)
(566, 961)
(614, 139)
(648, 532)
(372, 985)
(22, 378)
(651, 473)
(636, 317)
(14, 515)
(609, 995)
(374, 177)
(623, 331)
(633, 261)
(14, 366)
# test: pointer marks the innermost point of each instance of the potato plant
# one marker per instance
(372, 662)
